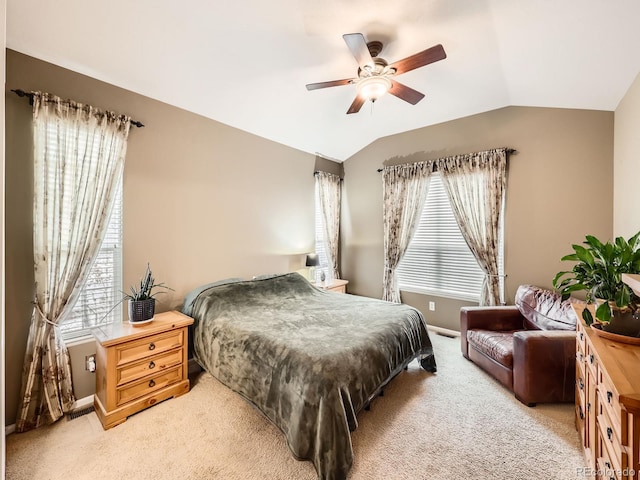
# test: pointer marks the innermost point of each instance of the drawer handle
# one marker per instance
(609, 433)
(152, 383)
(581, 336)
(152, 346)
(580, 413)
(609, 396)
(591, 359)
(608, 465)
(588, 406)
(151, 365)
(580, 384)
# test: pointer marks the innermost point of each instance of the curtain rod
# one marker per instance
(30, 95)
(510, 151)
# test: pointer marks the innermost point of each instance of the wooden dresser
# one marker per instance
(607, 404)
(138, 366)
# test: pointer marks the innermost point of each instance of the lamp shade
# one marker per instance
(312, 260)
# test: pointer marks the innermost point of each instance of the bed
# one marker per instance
(308, 359)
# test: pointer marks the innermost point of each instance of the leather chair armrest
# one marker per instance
(488, 318)
(544, 366)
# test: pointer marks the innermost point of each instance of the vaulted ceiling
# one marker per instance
(246, 63)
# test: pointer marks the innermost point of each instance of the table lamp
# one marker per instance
(312, 262)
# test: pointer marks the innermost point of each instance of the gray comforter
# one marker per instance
(310, 360)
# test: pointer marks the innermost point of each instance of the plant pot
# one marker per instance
(597, 329)
(141, 310)
(624, 321)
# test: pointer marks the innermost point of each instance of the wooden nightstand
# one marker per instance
(138, 366)
(335, 285)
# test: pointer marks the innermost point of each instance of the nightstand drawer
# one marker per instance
(338, 289)
(148, 385)
(147, 347)
(149, 366)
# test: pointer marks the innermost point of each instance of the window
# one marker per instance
(98, 303)
(438, 260)
(321, 248)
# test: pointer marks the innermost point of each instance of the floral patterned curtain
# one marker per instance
(476, 185)
(404, 190)
(78, 162)
(329, 192)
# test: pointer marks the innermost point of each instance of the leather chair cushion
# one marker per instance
(544, 309)
(497, 345)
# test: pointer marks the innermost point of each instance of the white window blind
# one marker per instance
(103, 289)
(438, 260)
(321, 247)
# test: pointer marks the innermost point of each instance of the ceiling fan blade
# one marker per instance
(359, 49)
(420, 59)
(333, 83)
(356, 105)
(405, 93)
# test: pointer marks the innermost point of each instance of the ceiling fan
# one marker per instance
(375, 74)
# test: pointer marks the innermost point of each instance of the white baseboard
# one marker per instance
(79, 405)
(444, 331)
(83, 402)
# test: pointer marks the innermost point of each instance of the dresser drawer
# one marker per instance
(609, 441)
(580, 421)
(605, 469)
(148, 347)
(581, 340)
(148, 385)
(591, 360)
(581, 383)
(610, 399)
(149, 366)
(581, 359)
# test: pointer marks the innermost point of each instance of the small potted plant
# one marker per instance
(598, 271)
(142, 302)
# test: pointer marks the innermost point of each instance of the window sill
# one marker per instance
(440, 293)
(75, 341)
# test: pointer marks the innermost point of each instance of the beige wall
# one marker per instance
(330, 166)
(559, 189)
(626, 196)
(202, 201)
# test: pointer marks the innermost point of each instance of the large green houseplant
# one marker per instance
(598, 271)
(141, 298)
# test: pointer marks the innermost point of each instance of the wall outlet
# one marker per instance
(432, 306)
(90, 363)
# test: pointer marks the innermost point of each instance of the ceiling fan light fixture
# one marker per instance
(372, 88)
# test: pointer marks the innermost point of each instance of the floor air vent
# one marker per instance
(78, 413)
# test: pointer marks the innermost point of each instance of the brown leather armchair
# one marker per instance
(530, 348)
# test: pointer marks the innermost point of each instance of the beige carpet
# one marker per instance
(458, 423)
